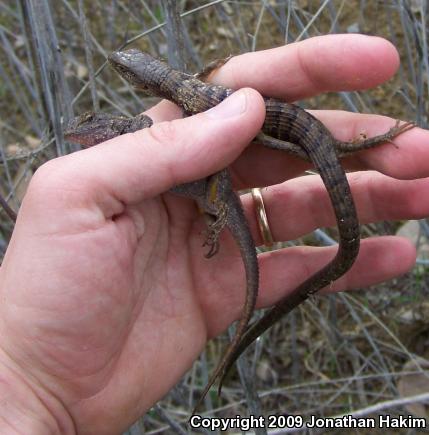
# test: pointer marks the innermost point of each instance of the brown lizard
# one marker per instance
(214, 196)
(287, 127)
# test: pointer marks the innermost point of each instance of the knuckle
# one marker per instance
(51, 176)
(43, 176)
(163, 133)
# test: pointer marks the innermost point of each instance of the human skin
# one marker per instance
(106, 297)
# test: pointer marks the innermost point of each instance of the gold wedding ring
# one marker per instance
(261, 217)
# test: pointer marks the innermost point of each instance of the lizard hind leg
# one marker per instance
(215, 208)
(215, 224)
(363, 143)
(223, 206)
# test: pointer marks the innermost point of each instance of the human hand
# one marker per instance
(107, 297)
(392, 187)
(101, 308)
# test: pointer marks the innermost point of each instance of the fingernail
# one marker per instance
(234, 105)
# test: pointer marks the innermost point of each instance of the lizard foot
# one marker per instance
(363, 142)
(396, 130)
(215, 228)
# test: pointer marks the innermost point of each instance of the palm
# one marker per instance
(138, 292)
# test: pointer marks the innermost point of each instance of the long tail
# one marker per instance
(303, 129)
(239, 229)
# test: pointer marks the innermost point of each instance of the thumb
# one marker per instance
(139, 165)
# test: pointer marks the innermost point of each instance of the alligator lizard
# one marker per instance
(287, 127)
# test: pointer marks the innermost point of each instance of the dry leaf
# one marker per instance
(13, 149)
(81, 71)
(226, 33)
(32, 141)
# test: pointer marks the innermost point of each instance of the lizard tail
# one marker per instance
(226, 363)
(220, 369)
(240, 231)
(317, 142)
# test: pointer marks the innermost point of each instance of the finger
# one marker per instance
(298, 70)
(379, 259)
(377, 197)
(281, 271)
(406, 157)
(313, 66)
(129, 168)
(164, 111)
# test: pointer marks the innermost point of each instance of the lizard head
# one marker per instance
(140, 69)
(91, 128)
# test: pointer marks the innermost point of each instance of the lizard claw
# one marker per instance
(213, 245)
(214, 249)
(399, 129)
